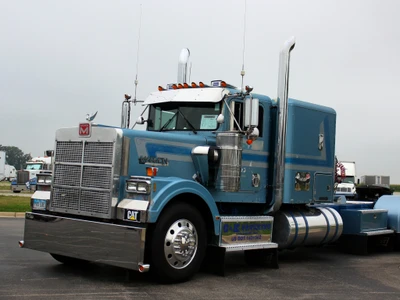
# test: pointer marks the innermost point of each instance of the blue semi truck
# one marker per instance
(219, 169)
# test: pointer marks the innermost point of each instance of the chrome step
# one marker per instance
(241, 247)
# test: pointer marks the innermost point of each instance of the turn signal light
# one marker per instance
(151, 171)
(160, 88)
(249, 142)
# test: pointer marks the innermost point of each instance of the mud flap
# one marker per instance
(214, 262)
(365, 244)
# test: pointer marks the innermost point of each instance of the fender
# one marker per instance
(169, 187)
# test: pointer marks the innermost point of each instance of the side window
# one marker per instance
(260, 120)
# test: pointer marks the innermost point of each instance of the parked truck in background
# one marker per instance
(375, 179)
(26, 178)
(347, 186)
(218, 169)
(373, 187)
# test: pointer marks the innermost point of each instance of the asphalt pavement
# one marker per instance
(304, 273)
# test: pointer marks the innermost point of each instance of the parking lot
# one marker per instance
(314, 273)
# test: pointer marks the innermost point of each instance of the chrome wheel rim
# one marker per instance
(180, 244)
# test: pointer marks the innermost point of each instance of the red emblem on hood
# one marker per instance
(84, 129)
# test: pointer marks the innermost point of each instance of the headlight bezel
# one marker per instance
(138, 186)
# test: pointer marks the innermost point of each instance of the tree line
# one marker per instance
(15, 156)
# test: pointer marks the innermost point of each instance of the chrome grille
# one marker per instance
(98, 153)
(96, 177)
(67, 175)
(68, 152)
(83, 174)
(95, 202)
(65, 198)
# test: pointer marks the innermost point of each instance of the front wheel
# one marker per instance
(178, 243)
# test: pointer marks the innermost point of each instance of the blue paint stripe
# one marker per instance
(308, 162)
(152, 149)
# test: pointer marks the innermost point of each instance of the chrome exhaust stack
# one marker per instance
(182, 65)
(283, 90)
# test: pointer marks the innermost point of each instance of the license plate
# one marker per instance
(39, 204)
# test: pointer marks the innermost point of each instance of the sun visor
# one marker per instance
(212, 95)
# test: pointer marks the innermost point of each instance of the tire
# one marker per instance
(70, 261)
(180, 225)
(16, 191)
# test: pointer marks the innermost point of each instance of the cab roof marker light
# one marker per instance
(174, 86)
(219, 83)
(180, 86)
(201, 84)
(194, 85)
(185, 85)
(160, 88)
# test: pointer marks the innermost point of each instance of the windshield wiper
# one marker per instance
(168, 122)
(187, 121)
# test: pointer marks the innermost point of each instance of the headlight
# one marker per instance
(131, 186)
(40, 180)
(48, 180)
(141, 187)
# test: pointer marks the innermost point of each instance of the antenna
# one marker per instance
(242, 73)
(137, 58)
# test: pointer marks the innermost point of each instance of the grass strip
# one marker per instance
(14, 204)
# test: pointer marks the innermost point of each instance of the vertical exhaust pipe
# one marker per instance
(283, 89)
(182, 65)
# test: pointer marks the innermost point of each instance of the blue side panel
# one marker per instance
(358, 221)
(168, 188)
(169, 152)
(392, 204)
(310, 151)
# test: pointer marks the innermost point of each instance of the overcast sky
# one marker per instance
(62, 59)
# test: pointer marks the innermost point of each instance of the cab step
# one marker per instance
(251, 234)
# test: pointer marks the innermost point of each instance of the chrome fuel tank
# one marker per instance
(307, 226)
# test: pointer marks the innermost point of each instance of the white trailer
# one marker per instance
(2, 165)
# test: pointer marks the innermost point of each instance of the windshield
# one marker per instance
(348, 179)
(34, 166)
(183, 116)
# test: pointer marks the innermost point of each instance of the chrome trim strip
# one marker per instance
(377, 232)
(250, 247)
(117, 245)
(372, 211)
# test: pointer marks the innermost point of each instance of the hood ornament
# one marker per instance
(90, 118)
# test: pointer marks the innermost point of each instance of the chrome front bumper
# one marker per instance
(111, 244)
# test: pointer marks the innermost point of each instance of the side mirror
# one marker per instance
(140, 120)
(250, 112)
